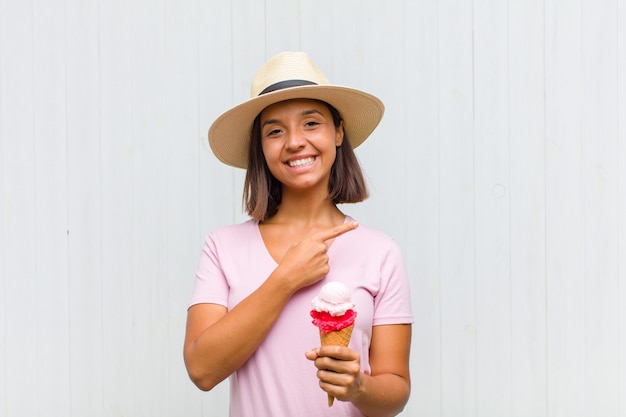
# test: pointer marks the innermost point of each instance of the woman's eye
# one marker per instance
(273, 132)
(311, 124)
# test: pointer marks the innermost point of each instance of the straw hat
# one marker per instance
(291, 75)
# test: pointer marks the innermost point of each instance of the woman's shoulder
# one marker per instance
(366, 231)
(234, 231)
(369, 237)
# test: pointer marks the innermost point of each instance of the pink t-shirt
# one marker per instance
(277, 380)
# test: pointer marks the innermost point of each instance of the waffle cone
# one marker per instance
(340, 338)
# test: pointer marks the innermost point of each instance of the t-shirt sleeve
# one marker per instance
(211, 285)
(392, 304)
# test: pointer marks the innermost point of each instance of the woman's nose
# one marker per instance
(295, 139)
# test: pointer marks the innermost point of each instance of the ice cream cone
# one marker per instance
(333, 313)
(340, 338)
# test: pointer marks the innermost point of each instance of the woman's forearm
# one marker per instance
(224, 346)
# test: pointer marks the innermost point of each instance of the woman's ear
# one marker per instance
(339, 134)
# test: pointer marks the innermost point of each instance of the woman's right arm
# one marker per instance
(218, 341)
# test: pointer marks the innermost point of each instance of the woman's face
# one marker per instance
(299, 141)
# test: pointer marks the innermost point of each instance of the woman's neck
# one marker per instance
(307, 209)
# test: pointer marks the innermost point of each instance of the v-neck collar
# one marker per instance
(269, 256)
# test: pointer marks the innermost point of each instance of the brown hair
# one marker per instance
(262, 193)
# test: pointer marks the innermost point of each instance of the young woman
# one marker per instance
(249, 319)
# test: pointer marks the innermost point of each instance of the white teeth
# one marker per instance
(300, 162)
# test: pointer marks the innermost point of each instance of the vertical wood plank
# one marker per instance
(216, 191)
(600, 191)
(183, 178)
(4, 34)
(19, 197)
(492, 209)
(150, 202)
(528, 208)
(383, 45)
(84, 209)
(621, 204)
(420, 115)
(3, 203)
(117, 155)
(456, 210)
(217, 195)
(51, 256)
(564, 215)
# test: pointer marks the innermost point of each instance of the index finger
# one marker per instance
(336, 231)
(341, 353)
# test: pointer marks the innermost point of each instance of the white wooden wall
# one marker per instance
(500, 168)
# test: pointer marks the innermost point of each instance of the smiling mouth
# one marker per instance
(301, 162)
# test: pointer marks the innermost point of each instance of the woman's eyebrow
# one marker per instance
(270, 121)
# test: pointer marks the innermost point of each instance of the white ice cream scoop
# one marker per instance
(334, 298)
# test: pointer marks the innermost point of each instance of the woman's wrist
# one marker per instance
(282, 283)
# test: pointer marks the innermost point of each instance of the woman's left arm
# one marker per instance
(382, 393)
(386, 390)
